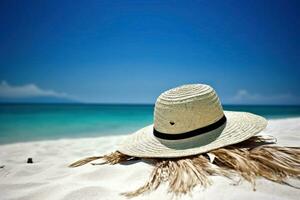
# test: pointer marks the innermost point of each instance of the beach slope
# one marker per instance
(50, 178)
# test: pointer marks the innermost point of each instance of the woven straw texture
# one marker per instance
(188, 108)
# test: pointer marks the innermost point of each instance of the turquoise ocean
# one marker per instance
(33, 122)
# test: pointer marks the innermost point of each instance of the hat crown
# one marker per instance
(187, 108)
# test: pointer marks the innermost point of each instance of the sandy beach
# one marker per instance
(50, 178)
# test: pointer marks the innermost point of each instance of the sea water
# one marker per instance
(31, 122)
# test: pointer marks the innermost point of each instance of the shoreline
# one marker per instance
(65, 139)
(113, 135)
(50, 178)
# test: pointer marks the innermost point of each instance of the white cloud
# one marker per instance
(245, 97)
(28, 90)
(244, 94)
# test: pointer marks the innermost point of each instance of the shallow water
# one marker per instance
(29, 122)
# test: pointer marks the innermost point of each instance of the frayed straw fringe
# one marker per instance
(250, 159)
(112, 159)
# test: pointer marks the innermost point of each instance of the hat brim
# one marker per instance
(239, 126)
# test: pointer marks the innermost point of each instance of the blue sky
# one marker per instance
(131, 51)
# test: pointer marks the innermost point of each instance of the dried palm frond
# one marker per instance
(249, 159)
(112, 158)
(85, 161)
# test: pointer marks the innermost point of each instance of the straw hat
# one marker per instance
(190, 120)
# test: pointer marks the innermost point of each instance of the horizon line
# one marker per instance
(127, 103)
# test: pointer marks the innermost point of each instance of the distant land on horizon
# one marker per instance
(38, 100)
(55, 100)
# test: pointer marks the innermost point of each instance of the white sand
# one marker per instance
(50, 178)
